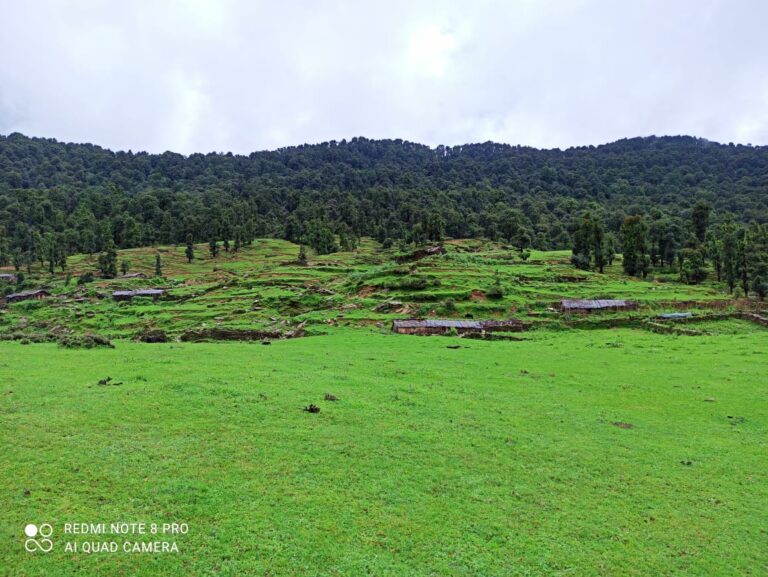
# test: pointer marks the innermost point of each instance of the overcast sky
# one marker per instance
(244, 75)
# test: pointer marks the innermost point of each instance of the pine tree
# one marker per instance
(598, 245)
(190, 251)
(700, 219)
(108, 260)
(634, 246)
(729, 248)
(158, 265)
(582, 243)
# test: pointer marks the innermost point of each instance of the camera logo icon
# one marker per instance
(38, 538)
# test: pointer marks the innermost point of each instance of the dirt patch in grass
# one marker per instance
(622, 425)
(477, 296)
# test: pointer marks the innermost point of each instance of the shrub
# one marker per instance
(86, 341)
(495, 292)
(85, 278)
(413, 283)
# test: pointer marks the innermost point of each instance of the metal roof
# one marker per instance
(594, 304)
(437, 324)
(139, 293)
(27, 293)
(675, 316)
(451, 323)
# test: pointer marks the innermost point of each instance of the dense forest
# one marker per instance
(57, 199)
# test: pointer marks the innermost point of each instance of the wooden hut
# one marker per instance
(448, 326)
(154, 294)
(7, 278)
(421, 253)
(38, 294)
(589, 306)
(674, 316)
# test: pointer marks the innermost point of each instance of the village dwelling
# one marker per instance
(154, 294)
(7, 278)
(27, 295)
(588, 306)
(450, 326)
(421, 253)
(674, 316)
(133, 275)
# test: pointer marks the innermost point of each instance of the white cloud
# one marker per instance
(240, 75)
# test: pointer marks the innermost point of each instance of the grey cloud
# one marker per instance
(240, 75)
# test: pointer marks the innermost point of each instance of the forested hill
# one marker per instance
(390, 189)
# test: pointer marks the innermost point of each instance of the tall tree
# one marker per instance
(190, 250)
(700, 219)
(108, 260)
(634, 246)
(213, 247)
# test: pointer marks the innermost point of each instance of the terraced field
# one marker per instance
(263, 287)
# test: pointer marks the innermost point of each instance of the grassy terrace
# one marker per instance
(263, 286)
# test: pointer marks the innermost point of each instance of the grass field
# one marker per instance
(569, 452)
(586, 453)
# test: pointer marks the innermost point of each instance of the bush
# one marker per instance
(85, 278)
(495, 292)
(413, 283)
(86, 341)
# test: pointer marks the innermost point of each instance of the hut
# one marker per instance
(674, 316)
(133, 275)
(38, 294)
(421, 253)
(448, 326)
(7, 278)
(154, 294)
(588, 306)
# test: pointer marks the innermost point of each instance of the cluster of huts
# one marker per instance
(475, 327)
(122, 295)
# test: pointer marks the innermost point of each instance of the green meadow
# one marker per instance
(572, 452)
(605, 452)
